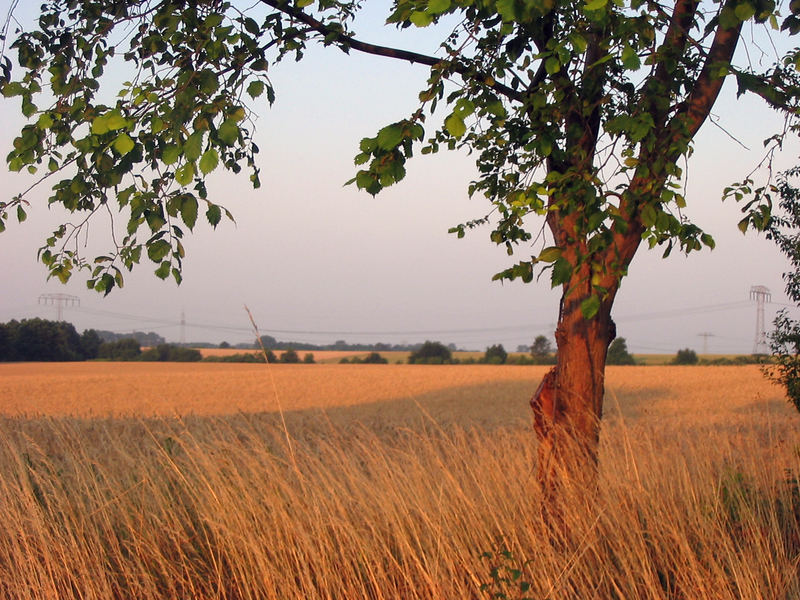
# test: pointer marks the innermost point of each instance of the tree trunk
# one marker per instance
(569, 402)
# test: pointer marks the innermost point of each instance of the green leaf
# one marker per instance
(209, 161)
(649, 215)
(590, 306)
(184, 174)
(21, 216)
(438, 6)
(170, 154)
(630, 60)
(158, 250)
(552, 65)
(550, 254)
(595, 4)
(455, 125)
(115, 121)
(155, 220)
(162, 272)
(228, 132)
(123, 144)
(45, 121)
(390, 136)
(193, 146)
(421, 19)
(562, 271)
(506, 10)
(189, 210)
(251, 26)
(100, 125)
(13, 88)
(255, 89)
(214, 215)
(304, 3)
(744, 11)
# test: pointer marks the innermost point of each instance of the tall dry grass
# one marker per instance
(702, 504)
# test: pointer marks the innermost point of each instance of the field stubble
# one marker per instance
(388, 482)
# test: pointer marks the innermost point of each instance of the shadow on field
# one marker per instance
(632, 404)
(488, 406)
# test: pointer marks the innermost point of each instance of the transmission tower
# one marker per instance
(705, 335)
(59, 301)
(183, 329)
(761, 295)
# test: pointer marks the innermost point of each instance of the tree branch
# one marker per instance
(704, 94)
(347, 41)
(674, 44)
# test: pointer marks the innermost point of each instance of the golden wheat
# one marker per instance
(396, 490)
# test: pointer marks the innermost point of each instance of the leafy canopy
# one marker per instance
(577, 112)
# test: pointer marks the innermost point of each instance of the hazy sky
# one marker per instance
(316, 261)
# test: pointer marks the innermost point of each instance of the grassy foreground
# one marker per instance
(698, 499)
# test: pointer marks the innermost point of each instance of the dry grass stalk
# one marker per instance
(701, 505)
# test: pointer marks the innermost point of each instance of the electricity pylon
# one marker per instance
(705, 335)
(761, 295)
(59, 301)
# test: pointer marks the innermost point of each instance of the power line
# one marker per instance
(542, 326)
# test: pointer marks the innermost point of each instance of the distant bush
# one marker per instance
(524, 359)
(170, 353)
(309, 358)
(247, 357)
(430, 353)
(290, 356)
(742, 359)
(687, 356)
(495, 355)
(373, 358)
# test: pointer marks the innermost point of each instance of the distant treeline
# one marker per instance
(145, 339)
(270, 343)
(43, 340)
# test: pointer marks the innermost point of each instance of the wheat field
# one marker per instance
(387, 481)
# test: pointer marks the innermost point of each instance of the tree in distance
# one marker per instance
(124, 349)
(579, 115)
(373, 358)
(618, 353)
(687, 356)
(430, 353)
(542, 350)
(495, 355)
(289, 356)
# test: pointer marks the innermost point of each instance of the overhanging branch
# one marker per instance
(350, 42)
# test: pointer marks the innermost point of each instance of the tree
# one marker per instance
(541, 349)
(618, 353)
(42, 340)
(784, 340)
(430, 353)
(687, 356)
(495, 355)
(578, 113)
(290, 356)
(124, 349)
(90, 343)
